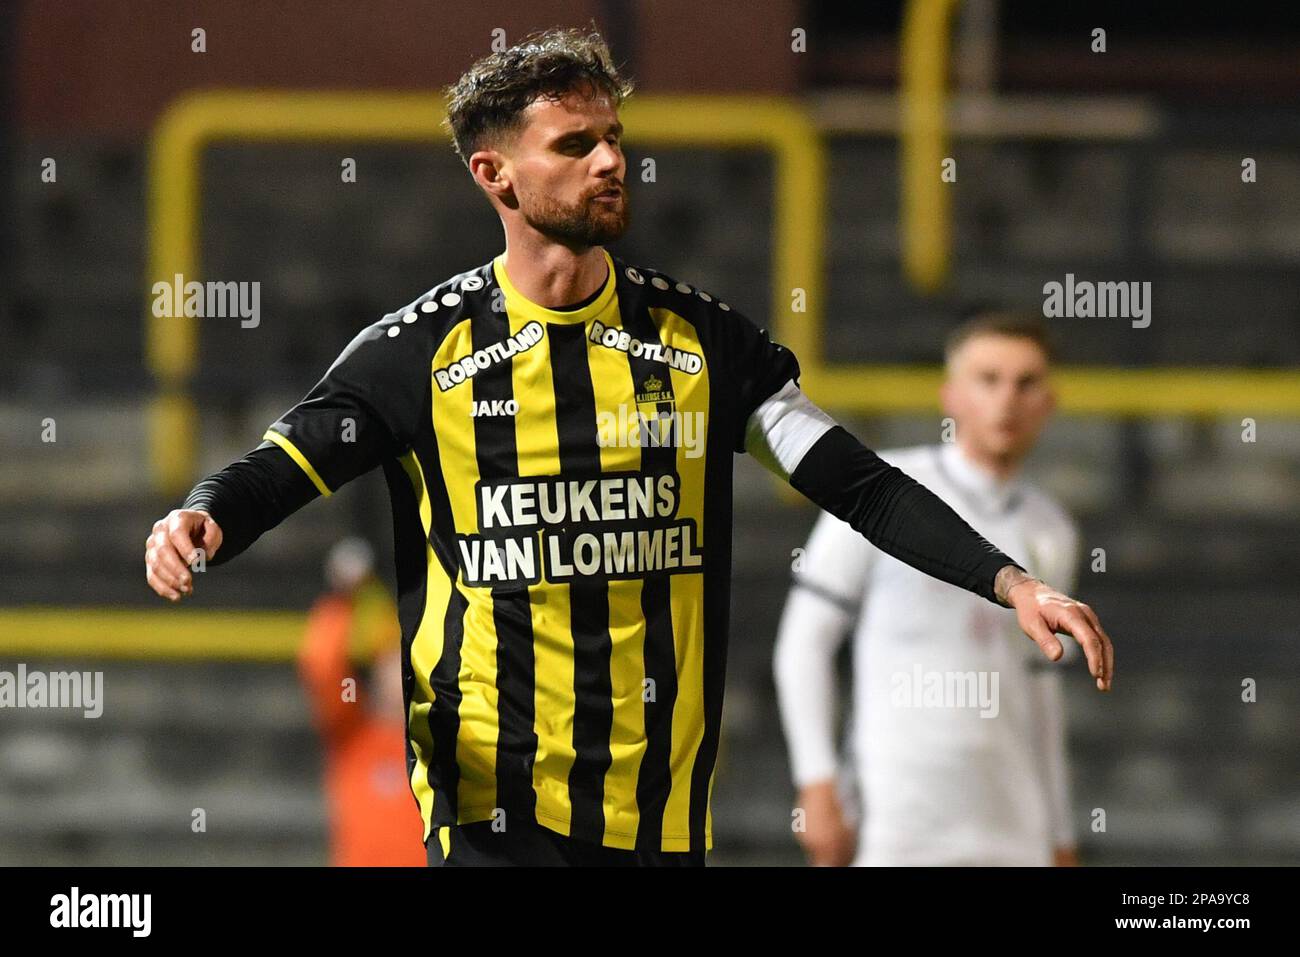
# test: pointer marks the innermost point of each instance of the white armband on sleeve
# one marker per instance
(783, 428)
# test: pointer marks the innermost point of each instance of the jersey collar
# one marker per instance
(527, 309)
(989, 491)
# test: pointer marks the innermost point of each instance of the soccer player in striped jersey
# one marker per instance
(556, 427)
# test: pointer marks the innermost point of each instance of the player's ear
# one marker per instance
(488, 169)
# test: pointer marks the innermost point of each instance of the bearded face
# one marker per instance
(600, 215)
(566, 170)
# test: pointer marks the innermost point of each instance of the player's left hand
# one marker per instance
(1042, 612)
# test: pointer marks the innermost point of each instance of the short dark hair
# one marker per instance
(489, 99)
(1014, 323)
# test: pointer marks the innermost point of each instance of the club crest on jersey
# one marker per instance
(653, 390)
(466, 367)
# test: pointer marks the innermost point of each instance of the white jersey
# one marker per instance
(957, 735)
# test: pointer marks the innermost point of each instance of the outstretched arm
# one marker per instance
(903, 518)
(224, 514)
(363, 410)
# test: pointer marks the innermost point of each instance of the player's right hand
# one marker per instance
(172, 547)
(826, 838)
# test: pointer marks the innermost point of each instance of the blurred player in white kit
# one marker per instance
(957, 737)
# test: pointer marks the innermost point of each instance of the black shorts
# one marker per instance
(530, 845)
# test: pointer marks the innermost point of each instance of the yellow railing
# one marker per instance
(925, 205)
(160, 633)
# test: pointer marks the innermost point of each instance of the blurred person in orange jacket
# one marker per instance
(350, 663)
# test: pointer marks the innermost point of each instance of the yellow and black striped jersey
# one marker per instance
(562, 506)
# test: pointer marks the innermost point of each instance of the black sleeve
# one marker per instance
(754, 367)
(897, 514)
(363, 410)
(251, 496)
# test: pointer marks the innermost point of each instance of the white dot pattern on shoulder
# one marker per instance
(682, 287)
(429, 306)
(471, 283)
(724, 307)
(393, 331)
(450, 298)
(409, 317)
(659, 282)
(705, 296)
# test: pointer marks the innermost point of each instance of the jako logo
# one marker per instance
(495, 407)
(1104, 300)
(102, 910)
